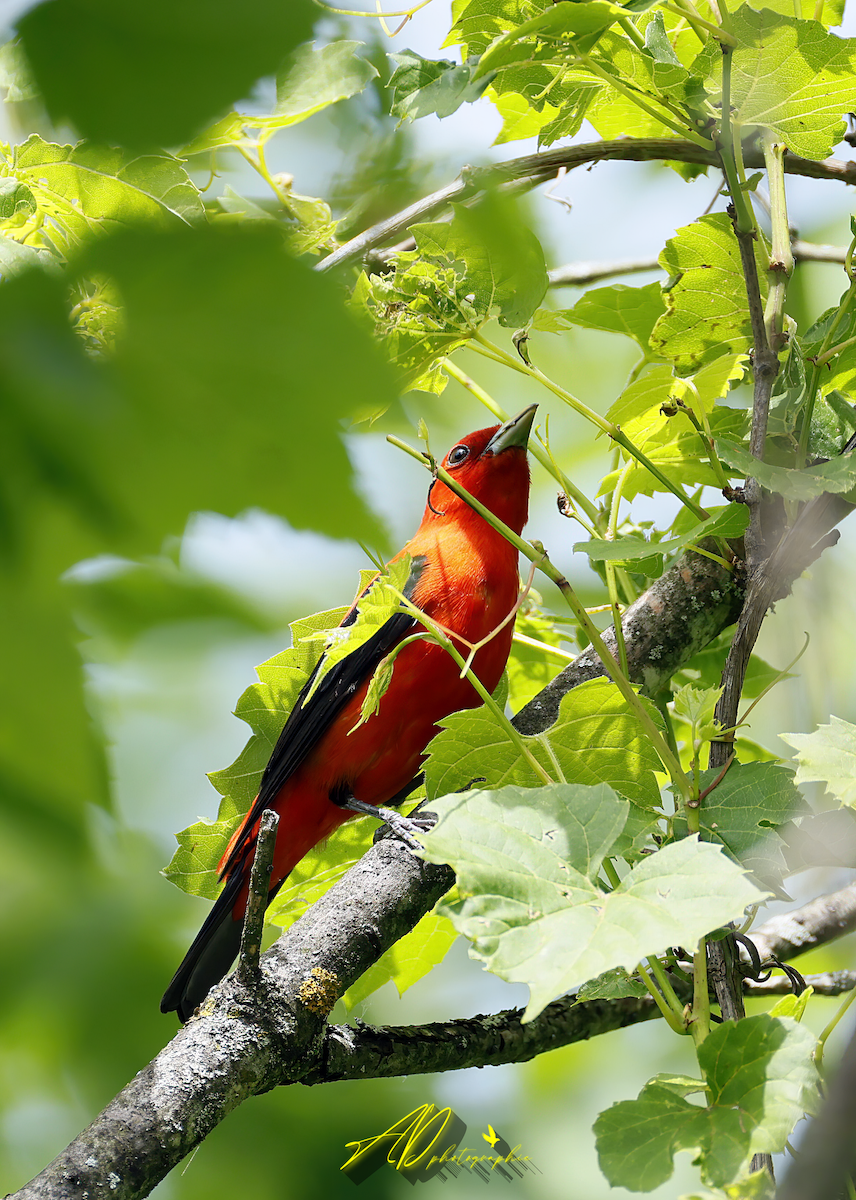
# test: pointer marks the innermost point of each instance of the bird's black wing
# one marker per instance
(306, 723)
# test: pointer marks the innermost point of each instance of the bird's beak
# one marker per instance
(513, 433)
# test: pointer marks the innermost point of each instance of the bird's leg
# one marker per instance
(403, 827)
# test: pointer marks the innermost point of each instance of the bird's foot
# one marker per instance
(403, 827)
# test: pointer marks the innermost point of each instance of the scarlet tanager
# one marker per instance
(464, 576)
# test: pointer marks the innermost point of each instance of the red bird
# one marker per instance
(464, 575)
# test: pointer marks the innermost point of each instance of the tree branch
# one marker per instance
(245, 1042)
(537, 168)
(581, 273)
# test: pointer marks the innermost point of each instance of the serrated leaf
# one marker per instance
(744, 811)
(761, 1078)
(678, 454)
(633, 311)
(312, 79)
(637, 409)
(379, 603)
(837, 475)
(87, 189)
(595, 739)
(503, 263)
(422, 86)
(790, 76)
(706, 315)
(526, 861)
(828, 756)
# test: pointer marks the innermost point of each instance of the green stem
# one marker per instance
(632, 32)
(745, 222)
(700, 1027)
(610, 872)
(828, 354)
(822, 1040)
(665, 986)
(691, 14)
(609, 427)
(443, 639)
(610, 569)
(672, 1019)
(781, 255)
(536, 554)
(678, 127)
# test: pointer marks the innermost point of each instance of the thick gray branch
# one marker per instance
(679, 615)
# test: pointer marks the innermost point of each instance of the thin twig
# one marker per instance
(257, 900)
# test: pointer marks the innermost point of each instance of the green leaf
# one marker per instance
(375, 607)
(405, 963)
(678, 453)
(422, 86)
(637, 409)
(706, 315)
(85, 190)
(311, 80)
(190, 298)
(611, 985)
(828, 756)
(792, 1006)
(760, 1078)
(837, 475)
(730, 521)
(595, 739)
(500, 261)
(788, 75)
(743, 813)
(697, 707)
(633, 311)
(264, 706)
(530, 668)
(527, 859)
(154, 74)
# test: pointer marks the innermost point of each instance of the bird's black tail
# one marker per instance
(214, 950)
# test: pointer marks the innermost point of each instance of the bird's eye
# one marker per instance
(458, 455)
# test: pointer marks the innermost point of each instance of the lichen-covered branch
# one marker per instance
(676, 617)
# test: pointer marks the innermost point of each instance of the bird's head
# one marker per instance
(493, 466)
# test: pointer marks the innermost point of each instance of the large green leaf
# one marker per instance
(83, 190)
(728, 522)
(744, 812)
(423, 86)
(790, 76)
(760, 1079)
(154, 74)
(502, 261)
(596, 739)
(226, 343)
(527, 861)
(633, 311)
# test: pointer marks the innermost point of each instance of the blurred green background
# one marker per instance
(173, 612)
